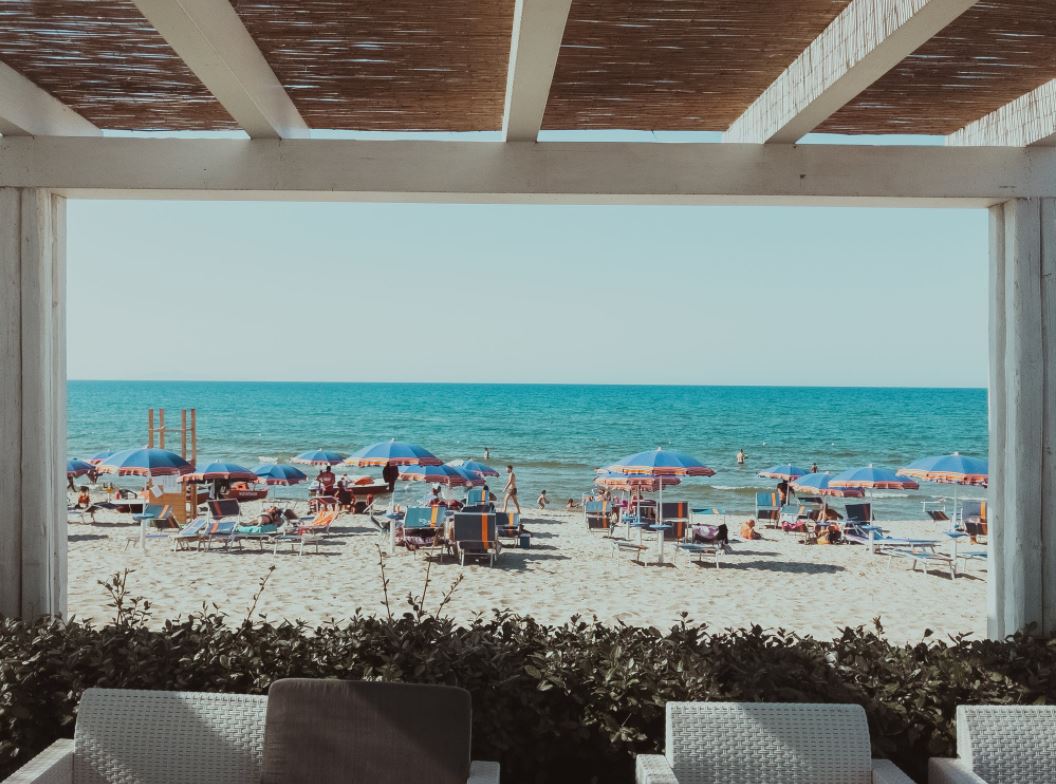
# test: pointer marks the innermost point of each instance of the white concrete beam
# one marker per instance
(213, 42)
(27, 110)
(32, 403)
(538, 28)
(867, 39)
(1028, 120)
(520, 172)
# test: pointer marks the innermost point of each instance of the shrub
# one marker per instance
(553, 703)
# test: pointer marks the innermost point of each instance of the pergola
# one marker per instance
(762, 73)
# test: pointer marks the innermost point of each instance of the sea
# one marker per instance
(557, 435)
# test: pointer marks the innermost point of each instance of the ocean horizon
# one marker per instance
(557, 434)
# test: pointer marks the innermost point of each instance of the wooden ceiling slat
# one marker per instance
(676, 64)
(991, 55)
(105, 61)
(388, 65)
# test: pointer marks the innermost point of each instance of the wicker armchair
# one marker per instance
(1000, 744)
(766, 743)
(163, 737)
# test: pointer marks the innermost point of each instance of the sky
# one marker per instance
(527, 293)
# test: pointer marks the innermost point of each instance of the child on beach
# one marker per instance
(542, 500)
(571, 504)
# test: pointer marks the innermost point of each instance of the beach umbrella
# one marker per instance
(99, 457)
(872, 478)
(75, 468)
(785, 471)
(396, 452)
(279, 474)
(614, 480)
(439, 474)
(473, 467)
(662, 462)
(145, 461)
(819, 484)
(319, 457)
(953, 469)
(222, 472)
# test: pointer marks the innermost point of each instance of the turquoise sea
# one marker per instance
(557, 435)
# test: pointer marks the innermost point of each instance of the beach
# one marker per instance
(568, 571)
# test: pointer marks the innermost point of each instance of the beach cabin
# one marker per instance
(75, 79)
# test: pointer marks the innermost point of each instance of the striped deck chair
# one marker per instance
(423, 526)
(221, 532)
(310, 530)
(225, 507)
(794, 518)
(973, 515)
(476, 536)
(768, 508)
(859, 518)
(598, 515)
(160, 516)
(677, 515)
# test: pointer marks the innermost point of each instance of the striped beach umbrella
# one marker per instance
(473, 467)
(872, 478)
(145, 461)
(820, 484)
(75, 468)
(319, 457)
(662, 462)
(440, 475)
(279, 474)
(786, 471)
(953, 469)
(396, 452)
(99, 457)
(222, 472)
(615, 480)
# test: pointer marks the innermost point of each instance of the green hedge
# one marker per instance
(552, 703)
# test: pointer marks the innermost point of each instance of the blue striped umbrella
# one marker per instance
(396, 452)
(440, 474)
(785, 471)
(820, 484)
(319, 457)
(279, 474)
(473, 467)
(75, 467)
(221, 471)
(99, 457)
(954, 469)
(872, 478)
(145, 461)
(661, 462)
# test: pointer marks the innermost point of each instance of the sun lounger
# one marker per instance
(160, 516)
(973, 517)
(765, 742)
(192, 533)
(475, 535)
(675, 514)
(714, 550)
(794, 518)
(1000, 743)
(767, 509)
(310, 530)
(478, 500)
(926, 558)
(880, 542)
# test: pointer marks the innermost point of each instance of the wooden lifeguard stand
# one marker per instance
(184, 503)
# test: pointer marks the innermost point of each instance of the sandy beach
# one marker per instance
(774, 582)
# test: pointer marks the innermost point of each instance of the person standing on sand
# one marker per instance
(511, 490)
(740, 457)
(390, 473)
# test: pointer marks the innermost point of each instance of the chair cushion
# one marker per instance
(357, 732)
(1008, 744)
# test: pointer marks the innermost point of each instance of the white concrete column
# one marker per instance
(1022, 499)
(32, 402)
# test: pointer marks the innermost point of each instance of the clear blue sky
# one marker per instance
(403, 292)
